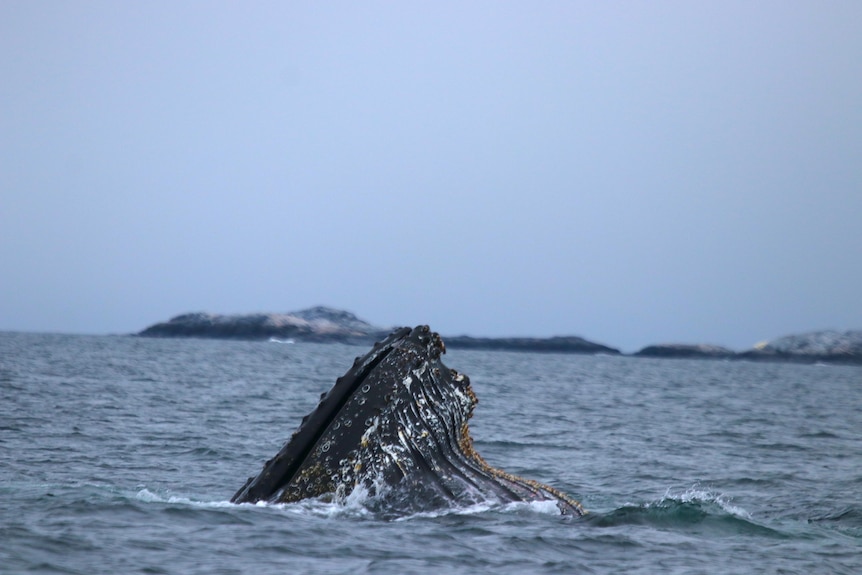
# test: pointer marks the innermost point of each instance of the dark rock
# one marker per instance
(328, 324)
(567, 344)
(313, 324)
(679, 350)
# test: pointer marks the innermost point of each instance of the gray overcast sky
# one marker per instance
(631, 172)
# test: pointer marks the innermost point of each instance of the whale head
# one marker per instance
(395, 425)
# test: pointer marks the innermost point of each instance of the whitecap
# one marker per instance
(697, 494)
(148, 496)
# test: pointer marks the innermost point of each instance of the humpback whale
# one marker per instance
(394, 425)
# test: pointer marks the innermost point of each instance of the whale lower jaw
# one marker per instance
(396, 426)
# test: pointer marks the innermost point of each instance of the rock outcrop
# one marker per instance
(314, 324)
(694, 351)
(826, 345)
(325, 324)
(559, 344)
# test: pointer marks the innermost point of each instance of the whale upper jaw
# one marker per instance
(396, 425)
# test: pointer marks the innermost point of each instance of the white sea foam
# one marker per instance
(321, 508)
(354, 504)
(446, 511)
(148, 496)
(359, 503)
(698, 494)
(547, 507)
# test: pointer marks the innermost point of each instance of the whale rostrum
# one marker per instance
(395, 425)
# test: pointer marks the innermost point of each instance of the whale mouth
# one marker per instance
(395, 422)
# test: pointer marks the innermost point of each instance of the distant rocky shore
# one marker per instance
(322, 324)
(325, 324)
(818, 346)
(686, 350)
(827, 345)
(568, 344)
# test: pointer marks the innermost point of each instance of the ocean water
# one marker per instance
(119, 455)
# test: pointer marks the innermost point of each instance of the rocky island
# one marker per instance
(313, 324)
(827, 345)
(558, 344)
(817, 346)
(686, 350)
(326, 324)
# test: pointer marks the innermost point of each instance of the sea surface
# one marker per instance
(119, 455)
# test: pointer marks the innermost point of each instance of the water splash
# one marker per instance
(703, 498)
(147, 496)
(695, 510)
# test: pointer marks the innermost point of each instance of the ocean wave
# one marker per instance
(700, 496)
(693, 510)
(847, 520)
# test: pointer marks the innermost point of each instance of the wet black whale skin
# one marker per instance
(396, 425)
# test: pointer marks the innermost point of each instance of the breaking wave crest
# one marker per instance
(147, 496)
(693, 510)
